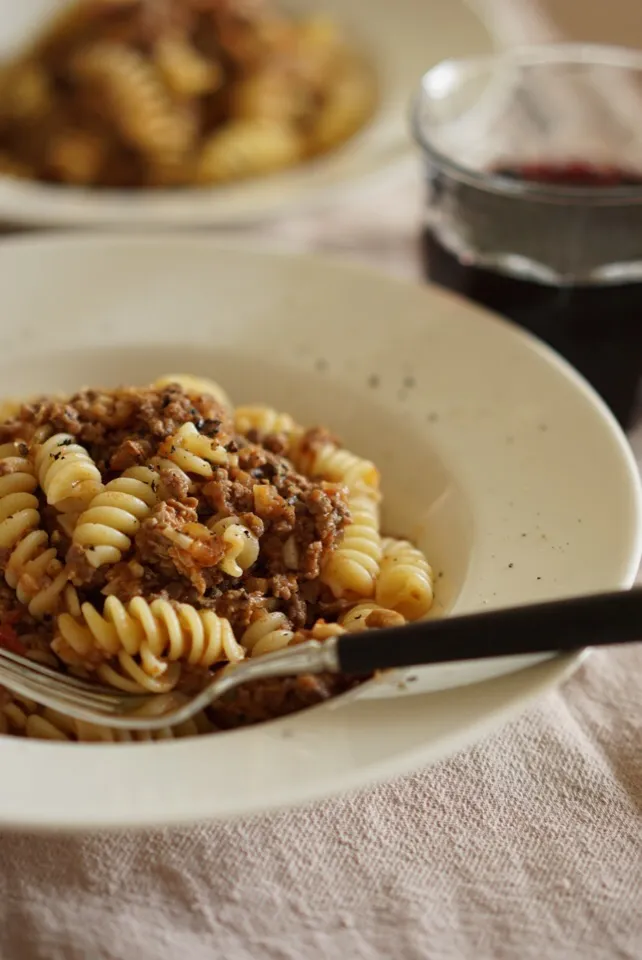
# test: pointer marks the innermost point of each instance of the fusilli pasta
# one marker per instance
(268, 633)
(245, 148)
(338, 465)
(105, 530)
(269, 94)
(265, 420)
(32, 569)
(195, 386)
(349, 102)
(193, 452)
(241, 546)
(185, 71)
(67, 474)
(405, 582)
(369, 615)
(352, 569)
(158, 633)
(24, 717)
(137, 102)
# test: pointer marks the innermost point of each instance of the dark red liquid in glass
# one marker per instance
(597, 327)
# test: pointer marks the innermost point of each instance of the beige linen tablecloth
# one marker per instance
(527, 847)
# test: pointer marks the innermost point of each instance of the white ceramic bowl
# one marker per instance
(403, 39)
(496, 458)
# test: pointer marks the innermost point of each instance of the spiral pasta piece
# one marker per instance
(32, 569)
(106, 528)
(269, 94)
(22, 717)
(245, 148)
(405, 582)
(270, 632)
(193, 452)
(158, 633)
(369, 616)
(184, 70)
(266, 420)
(241, 545)
(15, 712)
(352, 569)
(338, 465)
(318, 44)
(136, 101)
(66, 473)
(349, 102)
(126, 674)
(196, 386)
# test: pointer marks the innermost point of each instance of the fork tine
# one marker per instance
(61, 690)
(12, 674)
(31, 667)
(58, 698)
(78, 708)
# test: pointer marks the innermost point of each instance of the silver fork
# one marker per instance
(562, 625)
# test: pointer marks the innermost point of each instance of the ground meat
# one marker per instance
(105, 420)
(156, 539)
(19, 631)
(311, 566)
(174, 484)
(296, 610)
(218, 493)
(268, 699)
(81, 571)
(240, 606)
(130, 453)
(126, 580)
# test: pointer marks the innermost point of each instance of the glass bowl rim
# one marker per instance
(526, 56)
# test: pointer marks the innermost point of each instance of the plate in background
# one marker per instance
(402, 39)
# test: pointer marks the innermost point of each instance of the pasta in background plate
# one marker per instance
(152, 535)
(168, 93)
